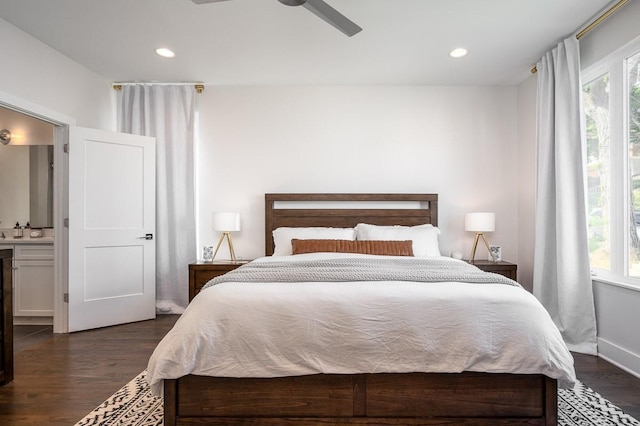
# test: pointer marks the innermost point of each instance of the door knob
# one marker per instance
(147, 237)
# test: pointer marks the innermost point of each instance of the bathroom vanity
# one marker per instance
(33, 279)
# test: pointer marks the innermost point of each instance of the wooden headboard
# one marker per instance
(422, 208)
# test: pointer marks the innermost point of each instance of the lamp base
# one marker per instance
(475, 245)
(226, 235)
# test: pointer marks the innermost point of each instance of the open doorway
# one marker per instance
(55, 125)
(100, 225)
(26, 215)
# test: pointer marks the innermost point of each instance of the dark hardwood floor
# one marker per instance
(27, 336)
(613, 383)
(61, 378)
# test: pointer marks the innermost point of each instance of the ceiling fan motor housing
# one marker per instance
(293, 2)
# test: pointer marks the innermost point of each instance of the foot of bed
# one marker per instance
(333, 421)
(409, 399)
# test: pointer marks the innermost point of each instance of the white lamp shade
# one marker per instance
(226, 222)
(480, 222)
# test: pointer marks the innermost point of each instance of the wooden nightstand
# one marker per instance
(201, 272)
(509, 270)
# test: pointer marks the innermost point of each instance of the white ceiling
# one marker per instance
(262, 42)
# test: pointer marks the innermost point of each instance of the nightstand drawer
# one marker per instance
(201, 273)
(508, 274)
(509, 270)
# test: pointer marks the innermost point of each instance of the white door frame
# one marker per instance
(60, 199)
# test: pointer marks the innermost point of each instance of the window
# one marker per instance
(596, 108)
(611, 98)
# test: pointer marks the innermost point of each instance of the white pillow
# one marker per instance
(424, 237)
(282, 237)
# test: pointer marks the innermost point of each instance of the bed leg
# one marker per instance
(551, 401)
(170, 402)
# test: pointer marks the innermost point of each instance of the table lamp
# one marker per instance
(480, 223)
(226, 223)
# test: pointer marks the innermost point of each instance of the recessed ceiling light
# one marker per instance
(458, 53)
(165, 53)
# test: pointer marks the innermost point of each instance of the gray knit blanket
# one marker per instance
(361, 269)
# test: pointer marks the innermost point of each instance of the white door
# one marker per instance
(111, 228)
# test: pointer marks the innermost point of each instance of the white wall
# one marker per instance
(615, 31)
(526, 179)
(459, 142)
(617, 310)
(38, 78)
(33, 72)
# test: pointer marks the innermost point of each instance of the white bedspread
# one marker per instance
(290, 329)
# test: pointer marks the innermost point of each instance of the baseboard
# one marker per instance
(32, 320)
(621, 358)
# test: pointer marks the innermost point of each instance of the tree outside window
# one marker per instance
(596, 107)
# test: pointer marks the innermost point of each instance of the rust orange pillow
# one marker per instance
(379, 247)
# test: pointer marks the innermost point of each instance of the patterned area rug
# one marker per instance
(134, 405)
(584, 406)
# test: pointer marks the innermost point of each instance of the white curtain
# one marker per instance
(167, 112)
(561, 276)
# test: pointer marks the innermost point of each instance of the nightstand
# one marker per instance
(509, 270)
(201, 272)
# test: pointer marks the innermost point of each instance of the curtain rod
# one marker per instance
(594, 24)
(199, 87)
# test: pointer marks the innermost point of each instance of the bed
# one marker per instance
(377, 394)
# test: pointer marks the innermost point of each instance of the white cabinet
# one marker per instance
(33, 283)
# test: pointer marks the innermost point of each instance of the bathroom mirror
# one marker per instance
(26, 185)
(26, 172)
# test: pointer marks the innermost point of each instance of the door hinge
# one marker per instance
(66, 297)
(66, 222)
(65, 148)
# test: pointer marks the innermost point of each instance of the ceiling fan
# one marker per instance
(319, 8)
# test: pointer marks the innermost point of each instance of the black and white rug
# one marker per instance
(584, 406)
(134, 405)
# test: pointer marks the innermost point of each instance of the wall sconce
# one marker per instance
(226, 223)
(480, 223)
(5, 136)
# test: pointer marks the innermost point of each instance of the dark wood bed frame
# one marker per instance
(466, 398)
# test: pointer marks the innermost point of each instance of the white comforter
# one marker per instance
(291, 329)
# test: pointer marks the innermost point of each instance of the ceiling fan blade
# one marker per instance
(332, 16)
(206, 1)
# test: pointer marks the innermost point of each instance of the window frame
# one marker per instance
(615, 64)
